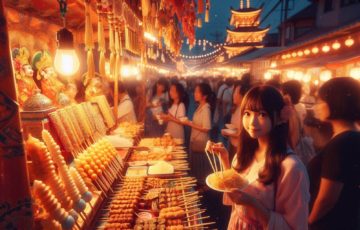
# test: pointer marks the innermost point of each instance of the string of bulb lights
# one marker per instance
(325, 48)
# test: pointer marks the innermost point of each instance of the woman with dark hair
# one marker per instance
(335, 172)
(157, 104)
(177, 110)
(200, 128)
(240, 89)
(278, 192)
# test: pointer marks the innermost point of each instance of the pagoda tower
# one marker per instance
(246, 33)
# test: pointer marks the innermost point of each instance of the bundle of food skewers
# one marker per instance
(222, 180)
(168, 203)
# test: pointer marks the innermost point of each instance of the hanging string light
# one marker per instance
(66, 61)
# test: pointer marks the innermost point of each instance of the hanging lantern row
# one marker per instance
(206, 60)
(325, 48)
(201, 56)
(204, 42)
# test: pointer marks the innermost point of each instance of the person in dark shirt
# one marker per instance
(335, 172)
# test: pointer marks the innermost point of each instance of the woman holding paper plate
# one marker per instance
(278, 192)
(177, 111)
(200, 128)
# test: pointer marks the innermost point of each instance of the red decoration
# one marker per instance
(200, 6)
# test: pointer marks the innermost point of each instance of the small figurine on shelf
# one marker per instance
(95, 87)
(51, 86)
(71, 91)
(23, 74)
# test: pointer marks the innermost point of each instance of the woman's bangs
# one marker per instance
(252, 103)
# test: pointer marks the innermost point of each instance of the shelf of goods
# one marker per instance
(88, 174)
(155, 192)
(74, 166)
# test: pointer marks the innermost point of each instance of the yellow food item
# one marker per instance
(226, 180)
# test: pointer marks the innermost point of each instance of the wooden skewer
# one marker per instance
(212, 166)
(201, 225)
(201, 218)
(196, 214)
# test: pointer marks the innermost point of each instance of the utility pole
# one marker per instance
(284, 13)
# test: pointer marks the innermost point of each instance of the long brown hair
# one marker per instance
(269, 99)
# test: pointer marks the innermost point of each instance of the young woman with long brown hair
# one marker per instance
(278, 192)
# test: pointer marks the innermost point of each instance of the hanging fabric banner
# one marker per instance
(207, 12)
(89, 44)
(200, 6)
(111, 44)
(102, 46)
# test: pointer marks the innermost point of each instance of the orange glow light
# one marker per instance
(349, 42)
(315, 50)
(326, 48)
(336, 45)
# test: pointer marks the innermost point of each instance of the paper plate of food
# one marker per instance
(224, 181)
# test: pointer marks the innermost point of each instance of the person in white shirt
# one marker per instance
(126, 107)
(200, 132)
(177, 110)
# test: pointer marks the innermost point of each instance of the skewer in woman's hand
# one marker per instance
(219, 149)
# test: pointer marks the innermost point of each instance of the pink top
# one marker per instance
(292, 198)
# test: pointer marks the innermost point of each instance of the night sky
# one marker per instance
(220, 14)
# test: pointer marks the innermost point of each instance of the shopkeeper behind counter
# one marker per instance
(126, 107)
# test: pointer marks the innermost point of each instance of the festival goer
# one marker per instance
(240, 89)
(223, 105)
(301, 144)
(177, 110)
(200, 127)
(293, 88)
(126, 107)
(335, 172)
(278, 192)
(157, 104)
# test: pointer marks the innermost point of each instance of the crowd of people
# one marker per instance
(298, 146)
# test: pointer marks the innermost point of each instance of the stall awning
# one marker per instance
(252, 55)
(330, 61)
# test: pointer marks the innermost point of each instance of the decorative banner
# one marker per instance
(102, 45)
(200, 6)
(207, 12)
(89, 44)
(111, 43)
(145, 7)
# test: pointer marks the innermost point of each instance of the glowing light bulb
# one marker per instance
(325, 75)
(355, 73)
(315, 50)
(349, 42)
(307, 78)
(326, 48)
(336, 45)
(267, 75)
(66, 62)
(307, 52)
